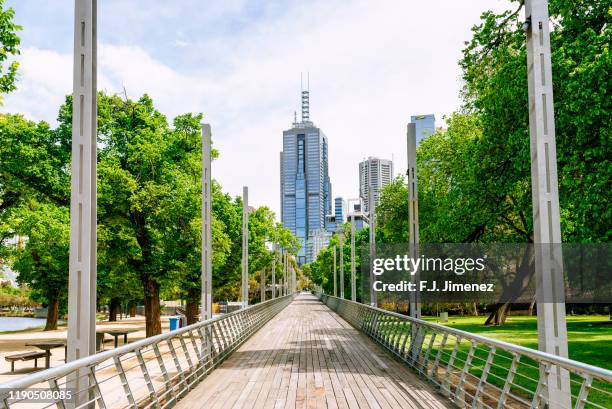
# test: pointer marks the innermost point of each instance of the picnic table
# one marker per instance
(47, 346)
(116, 333)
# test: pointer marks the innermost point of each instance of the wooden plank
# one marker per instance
(308, 357)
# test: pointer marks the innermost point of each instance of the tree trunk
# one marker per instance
(52, 313)
(132, 309)
(511, 292)
(531, 306)
(192, 311)
(498, 316)
(152, 307)
(113, 309)
(192, 305)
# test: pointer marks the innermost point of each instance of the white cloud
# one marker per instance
(371, 67)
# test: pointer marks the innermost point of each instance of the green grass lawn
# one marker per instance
(589, 336)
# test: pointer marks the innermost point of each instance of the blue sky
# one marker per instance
(372, 64)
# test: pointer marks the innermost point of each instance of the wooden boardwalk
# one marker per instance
(309, 357)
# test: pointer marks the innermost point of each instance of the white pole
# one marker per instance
(413, 214)
(263, 285)
(274, 271)
(285, 274)
(372, 231)
(83, 219)
(353, 277)
(206, 296)
(294, 278)
(552, 330)
(341, 262)
(245, 246)
(335, 278)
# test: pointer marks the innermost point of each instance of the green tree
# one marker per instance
(495, 76)
(9, 43)
(43, 262)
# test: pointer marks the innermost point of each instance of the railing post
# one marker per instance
(425, 365)
(55, 388)
(509, 379)
(460, 390)
(449, 367)
(400, 332)
(434, 368)
(483, 377)
(540, 397)
(584, 392)
(147, 377)
(416, 344)
(177, 365)
(93, 382)
(162, 367)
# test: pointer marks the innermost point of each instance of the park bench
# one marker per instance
(26, 356)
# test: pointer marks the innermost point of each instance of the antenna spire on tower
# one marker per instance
(305, 99)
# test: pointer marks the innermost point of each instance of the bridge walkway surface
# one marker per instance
(307, 356)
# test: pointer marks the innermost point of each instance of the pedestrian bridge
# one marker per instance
(303, 351)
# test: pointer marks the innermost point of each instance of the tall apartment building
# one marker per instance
(425, 125)
(374, 173)
(305, 184)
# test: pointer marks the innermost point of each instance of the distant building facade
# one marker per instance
(304, 181)
(317, 241)
(374, 174)
(357, 214)
(339, 212)
(425, 126)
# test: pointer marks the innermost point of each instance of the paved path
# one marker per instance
(309, 357)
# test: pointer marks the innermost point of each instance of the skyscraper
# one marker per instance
(305, 185)
(425, 126)
(339, 212)
(374, 173)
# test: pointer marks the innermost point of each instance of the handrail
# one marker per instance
(218, 337)
(585, 368)
(497, 379)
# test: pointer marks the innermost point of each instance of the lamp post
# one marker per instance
(273, 270)
(341, 239)
(372, 244)
(413, 215)
(552, 329)
(206, 293)
(245, 246)
(353, 274)
(82, 274)
(335, 278)
(263, 285)
(293, 279)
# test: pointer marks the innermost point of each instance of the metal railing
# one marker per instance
(153, 372)
(476, 371)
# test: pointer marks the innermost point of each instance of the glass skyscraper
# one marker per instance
(339, 211)
(425, 126)
(305, 185)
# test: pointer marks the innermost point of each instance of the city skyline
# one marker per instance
(219, 62)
